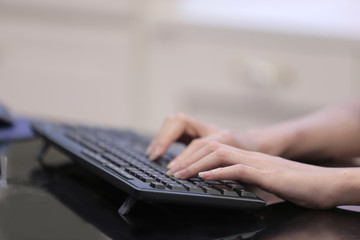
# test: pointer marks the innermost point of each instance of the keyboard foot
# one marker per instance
(44, 148)
(127, 205)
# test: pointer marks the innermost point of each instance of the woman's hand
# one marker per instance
(306, 185)
(197, 134)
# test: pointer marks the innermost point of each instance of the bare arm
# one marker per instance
(214, 153)
(330, 133)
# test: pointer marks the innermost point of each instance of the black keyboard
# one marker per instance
(119, 157)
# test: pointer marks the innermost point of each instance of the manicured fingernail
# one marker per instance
(180, 174)
(175, 169)
(154, 156)
(204, 174)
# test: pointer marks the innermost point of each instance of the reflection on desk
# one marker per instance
(64, 201)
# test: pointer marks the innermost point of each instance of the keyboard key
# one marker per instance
(226, 191)
(125, 175)
(175, 186)
(130, 170)
(166, 181)
(214, 182)
(73, 136)
(248, 194)
(91, 146)
(93, 156)
(146, 179)
(115, 160)
(157, 185)
(236, 186)
(211, 190)
(109, 165)
(195, 189)
(196, 179)
(227, 182)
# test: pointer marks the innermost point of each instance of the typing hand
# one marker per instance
(306, 185)
(188, 130)
(197, 134)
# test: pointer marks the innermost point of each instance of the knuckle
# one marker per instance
(222, 153)
(213, 145)
(226, 135)
(182, 117)
(239, 169)
(198, 142)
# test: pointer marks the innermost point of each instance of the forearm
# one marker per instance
(331, 133)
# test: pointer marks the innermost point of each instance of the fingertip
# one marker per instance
(169, 173)
(171, 165)
(205, 175)
(150, 149)
(180, 174)
(156, 152)
(154, 155)
(177, 175)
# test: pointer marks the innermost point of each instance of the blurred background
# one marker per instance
(130, 63)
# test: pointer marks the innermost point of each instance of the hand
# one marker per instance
(306, 185)
(197, 134)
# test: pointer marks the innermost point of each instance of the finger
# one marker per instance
(193, 147)
(206, 163)
(222, 156)
(198, 150)
(171, 130)
(248, 158)
(237, 172)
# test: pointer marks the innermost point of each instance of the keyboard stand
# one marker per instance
(124, 208)
(127, 205)
(42, 151)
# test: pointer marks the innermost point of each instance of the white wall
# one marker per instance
(131, 63)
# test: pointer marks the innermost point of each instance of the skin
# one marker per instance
(260, 156)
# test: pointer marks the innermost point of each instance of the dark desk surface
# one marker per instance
(64, 201)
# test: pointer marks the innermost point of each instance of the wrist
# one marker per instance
(274, 140)
(348, 190)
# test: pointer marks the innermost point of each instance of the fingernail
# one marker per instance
(175, 169)
(169, 173)
(180, 174)
(204, 174)
(154, 156)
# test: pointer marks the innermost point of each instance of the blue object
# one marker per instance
(20, 129)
